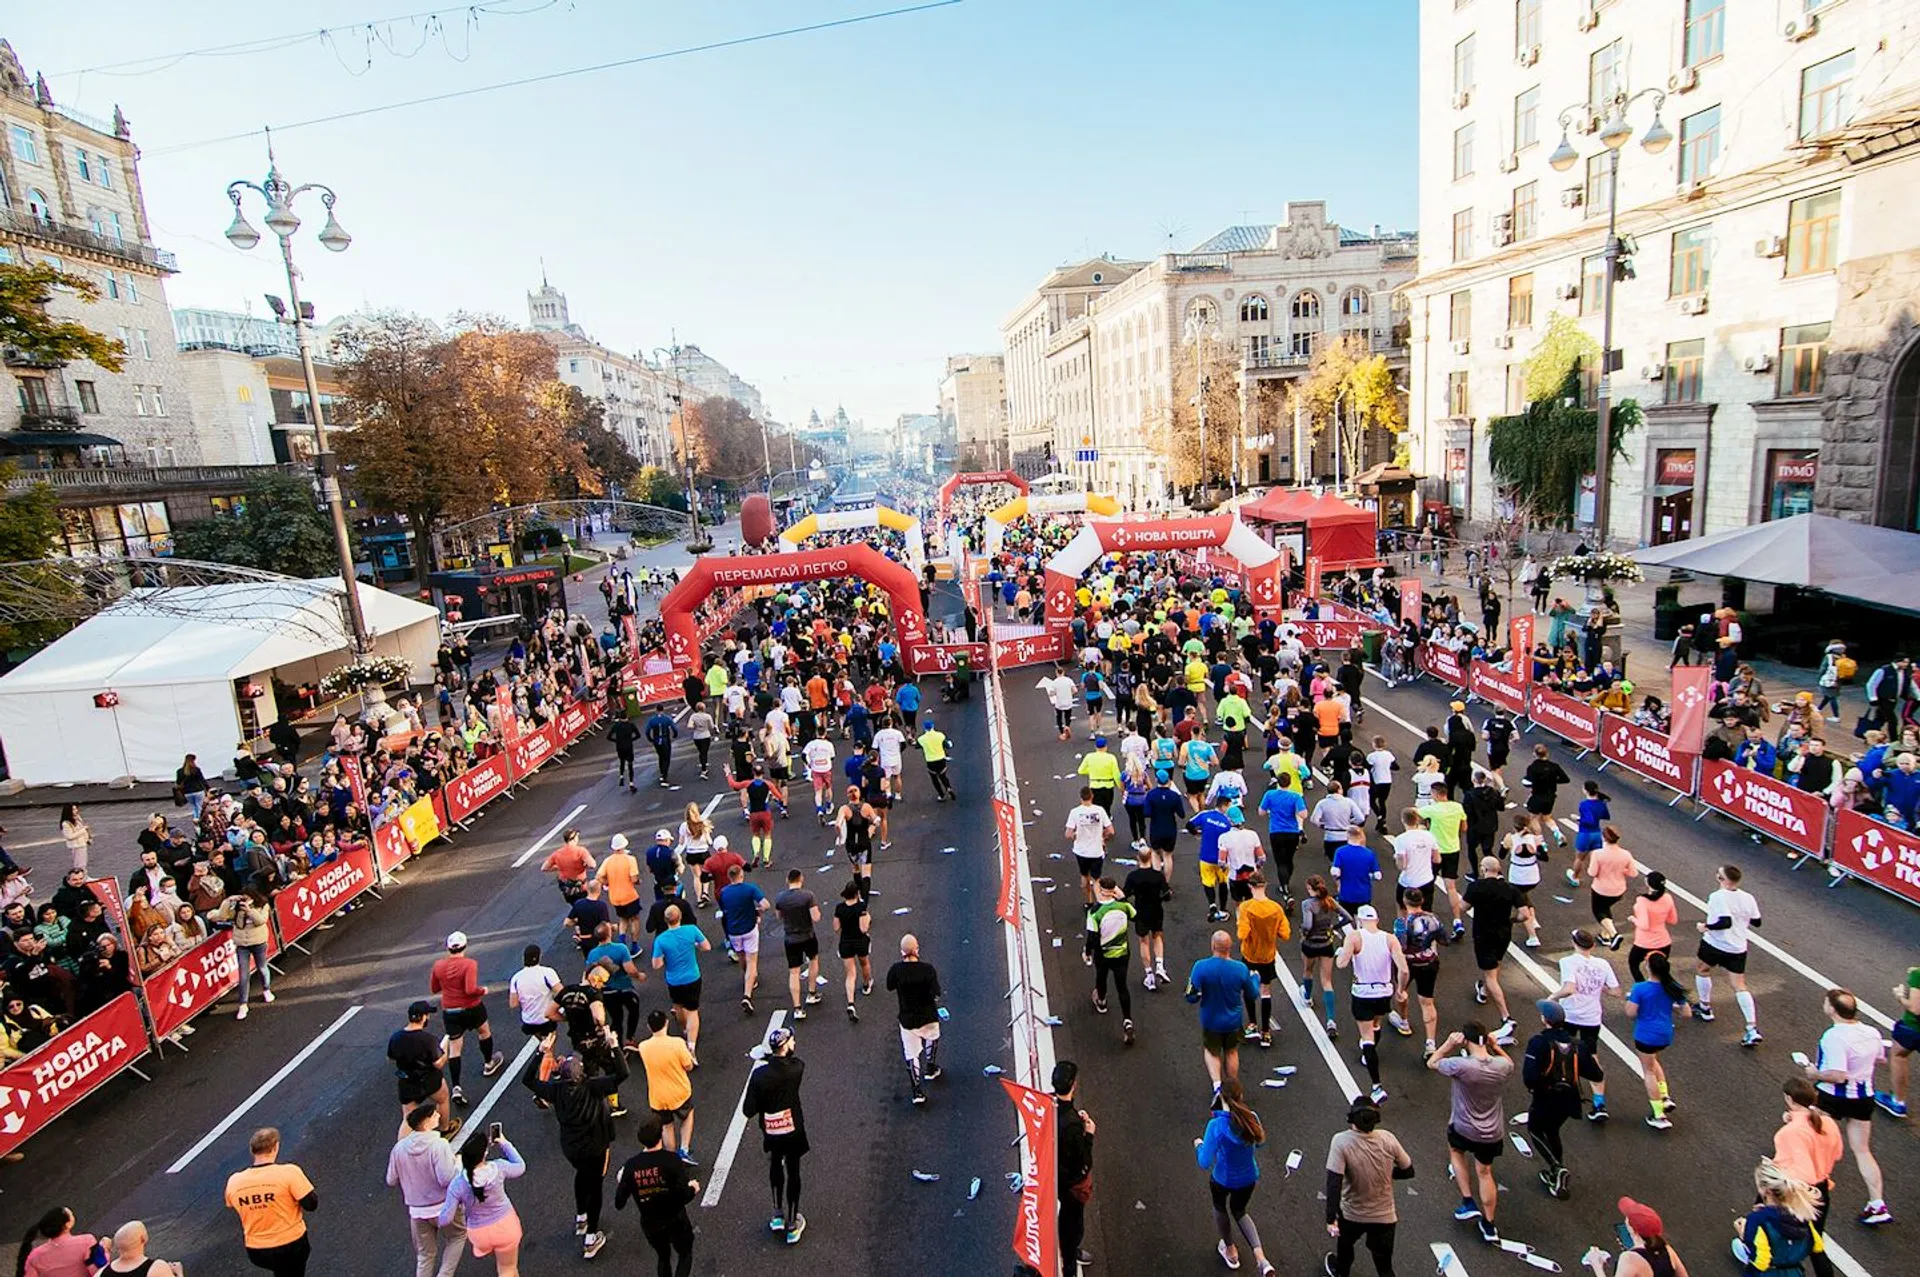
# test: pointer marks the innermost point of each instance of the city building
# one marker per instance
(1764, 319)
(639, 398)
(1271, 293)
(1062, 297)
(250, 406)
(917, 438)
(973, 407)
(195, 326)
(708, 378)
(70, 196)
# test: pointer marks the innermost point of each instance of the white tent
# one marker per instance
(176, 670)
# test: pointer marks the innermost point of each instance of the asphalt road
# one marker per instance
(1151, 1212)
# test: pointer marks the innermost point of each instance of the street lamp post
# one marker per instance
(280, 195)
(686, 441)
(1615, 133)
(1199, 329)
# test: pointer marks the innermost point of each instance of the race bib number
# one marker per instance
(780, 1123)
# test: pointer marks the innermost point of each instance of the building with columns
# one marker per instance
(1027, 335)
(638, 397)
(1767, 323)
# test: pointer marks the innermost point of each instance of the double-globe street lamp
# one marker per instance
(1614, 132)
(280, 195)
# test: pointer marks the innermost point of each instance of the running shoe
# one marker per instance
(799, 1013)
(1160, 973)
(866, 990)
(1488, 1233)
(1659, 1123)
(1459, 929)
(852, 1014)
(579, 1225)
(1429, 1048)
(1400, 1025)
(812, 998)
(1250, 1033)
(1466, 1210)
(919, 1098)
(494, 1065)
(1378, 1094)
(241, 1014)
(934, 1074)
(1227, 1257)
(1598, 1114)
(1876, 1213)
(1533, 942)
(1333, 1029)
(1306, 993)
(1571, 880)
(1892, 1107)
(797, 1229)
(1326, 1264)
(778, 1224)
(1751, 1038)
(1480, 992)
(1703, 1013)
(1266, 1041)
(746, 1004)
(591, 1246)
(459, 1096)
(1146, 981)
(1126, 1032)
(1505, 1030)
(1099, 1004)
(266, 995)
(617, 1110)
(686, 1155)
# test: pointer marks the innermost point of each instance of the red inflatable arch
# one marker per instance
(969, 478)
(1260, 565)
(739, 572)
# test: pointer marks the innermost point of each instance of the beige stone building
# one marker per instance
(973, 406)
(1037, 407)
(639, 397)
(1767, 327)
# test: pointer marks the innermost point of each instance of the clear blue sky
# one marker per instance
(831, 214)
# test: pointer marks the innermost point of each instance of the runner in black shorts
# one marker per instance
(852, 923)
(1494, 901)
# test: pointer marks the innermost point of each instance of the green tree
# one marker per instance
(1564, 348)
(29, 531)
(608, 463)
(280, 527)
(28, 327)
(1212, 363)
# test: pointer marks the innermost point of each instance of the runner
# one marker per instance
(799, 913)
(584, 1107)
(1419, 932)
(1610, 867)
(1355, 869)
(1446, 820)
(1285, 810)
(1262, 924)
(456, 979)
(696, 844)
(658, 1184)
(1731, 913)
(773, 1096)
(701, 727)
(669, 1062)
(1088, 828)
(1842, 1072)
(1651, 1005)
(676, 955)
(1210, 825)
(713, 874)
(818, 753)
(623, 1002)
(1777, 1235)
(661, 733)
(759, 794)
(1525, 854)
(1166, 811)
(1146, 887)
(1322, 922)
(1551, 1070)
(571, 864)
(1493, 901)
(272, 1199)
(1379, 979)
(1095, 692)
(853, 925)
(1337, 815)
(1585, 981)
(623, 734)
(1593, 813)
(418, 1058)
(1240, 853)
(1197, 757)
(1906, 1040)
(1543, 779)
(1417, 854)
(1477, 1125)
(1060, 692)
(888, 744)
(1381, 765)
(619, 874)
(530, 992)
(741, 905)
(933, 748)
(1135, 785)
(1362, 1163)
(854, 831)
(1223, 988)
(1102, 772)
(1226, 1151)
(916, 986)
(1806, 1148)
(1107, 951)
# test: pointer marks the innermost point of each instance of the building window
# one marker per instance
(1803, 359)
(1599, 183)
(1692, 262)
(1258, 348)
(1463, 66)
(1463, 235)
(131, 288)
(1526, 211)
(1685, 360)
(1706, 30)
(159, 403)
(1253, 310)
(25, 149)
(39, 205)
(1463, 152)
(1592, 274)
(146, 344)
(139, 400)
(89, 396)
(1791, 473)
(1520, 301)
(1457, 403)
(1460, 315)
(1605, 74)
(1355, 304)
(1699, 145)
(1526, 119)
(1826, 95)
(1813, 225)
(33, 395)
(113, 287)
(1516, 388)
(1526, 25)
(1306, 305)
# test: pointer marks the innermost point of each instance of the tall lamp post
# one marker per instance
(1615, 133)
(1198, 330)
(686, 441)
(280, 195)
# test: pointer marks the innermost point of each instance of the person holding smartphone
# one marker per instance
(1644, 1251)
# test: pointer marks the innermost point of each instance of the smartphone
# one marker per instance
(494, 1133)
(1625, 1235)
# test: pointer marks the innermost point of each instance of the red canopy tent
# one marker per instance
(1276, 506)
(1340, 535)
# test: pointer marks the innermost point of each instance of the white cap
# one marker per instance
(619, 842)
(1366, 913)
(457, 940)
(719, 842)
(661, 835)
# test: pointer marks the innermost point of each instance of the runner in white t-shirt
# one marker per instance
(1585, 981)
(531, 992)
(1061, 693)
(1417, 853)
(1089, 827)
(819, 755)
(1842, 1075)
(888, 742)
(1731, 914)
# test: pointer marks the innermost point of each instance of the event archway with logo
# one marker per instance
(873, 516)
(1259, 563)
(1045, 503)
(743, 571)
(970, 478)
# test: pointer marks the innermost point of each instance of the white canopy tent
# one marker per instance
(177, 676)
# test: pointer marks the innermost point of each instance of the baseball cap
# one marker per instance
(927, 723)
(1099, 741)
(619, 842)
(456, 940)
(661, 835)
(1641, 1218)
(420, 1009)
(1456, 706)
(1550, 1011)
(719, 842)
(778, 1038)
(1367, 913)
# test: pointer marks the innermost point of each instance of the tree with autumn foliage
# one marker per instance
(1207, 370)
(1352, 391)
(29, 328)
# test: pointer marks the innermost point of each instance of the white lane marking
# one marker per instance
(736, 1129)
(1318, 1033)
(245, 1106)
(681, 717)
(706, 813)
(1766, 946)
(541, 841)
(508, 1076)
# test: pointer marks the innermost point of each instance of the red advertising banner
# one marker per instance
(573, 722)
(1565, 716)
(309, 901)
(1520, 641)
(1646, 753)
(652, 689)
(107, 891)
(1031, 649)
(526, 754)
(1441, 662)
(390, 846)
(475, 787)
(1036, 1232)
(1341, 612)
(1313, 576)
(192, 982)
(1326, 634)
(41, 1087)
(509, 723)
(1775, 808)
(356, 780)
(1007, 818)
(1410, 599)
(1688, 730)
(1490, 683)
(940, 658)
(1884, 856)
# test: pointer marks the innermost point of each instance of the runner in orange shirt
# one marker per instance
(272, 1199)
(619, 873)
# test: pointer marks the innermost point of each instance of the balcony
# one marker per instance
(50, 417)
(1275, 357)
(76, 479)
(75, 237)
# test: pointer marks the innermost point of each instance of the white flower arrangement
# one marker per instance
(1594, 567)
(367, 672)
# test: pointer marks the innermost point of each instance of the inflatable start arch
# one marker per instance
(1260, 565)
(739, 572)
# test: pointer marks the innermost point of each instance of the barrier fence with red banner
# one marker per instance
(1565, 716)
(191, 983)
(941, 658)
(532, 751)
(1029, 649)
(1878, 853)
(1441, 662)
(390, 846)
(307, 902)
(1006, 819)
(76, 1062)
(1332, 634)
(1490, 683)
(1036, 1234)
(475, 787)
(1768, 804)
(1647, 753)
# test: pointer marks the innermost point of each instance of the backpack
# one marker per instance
(1562, 1069)
(1845, 667)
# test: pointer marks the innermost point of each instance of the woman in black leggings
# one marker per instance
(773, 1096)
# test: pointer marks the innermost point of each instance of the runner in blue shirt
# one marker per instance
(1210, 824)
(1285, 810)
(1165, 808)
(1355, 868)
(741, 904)
(676, 955)
(1223, 987)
